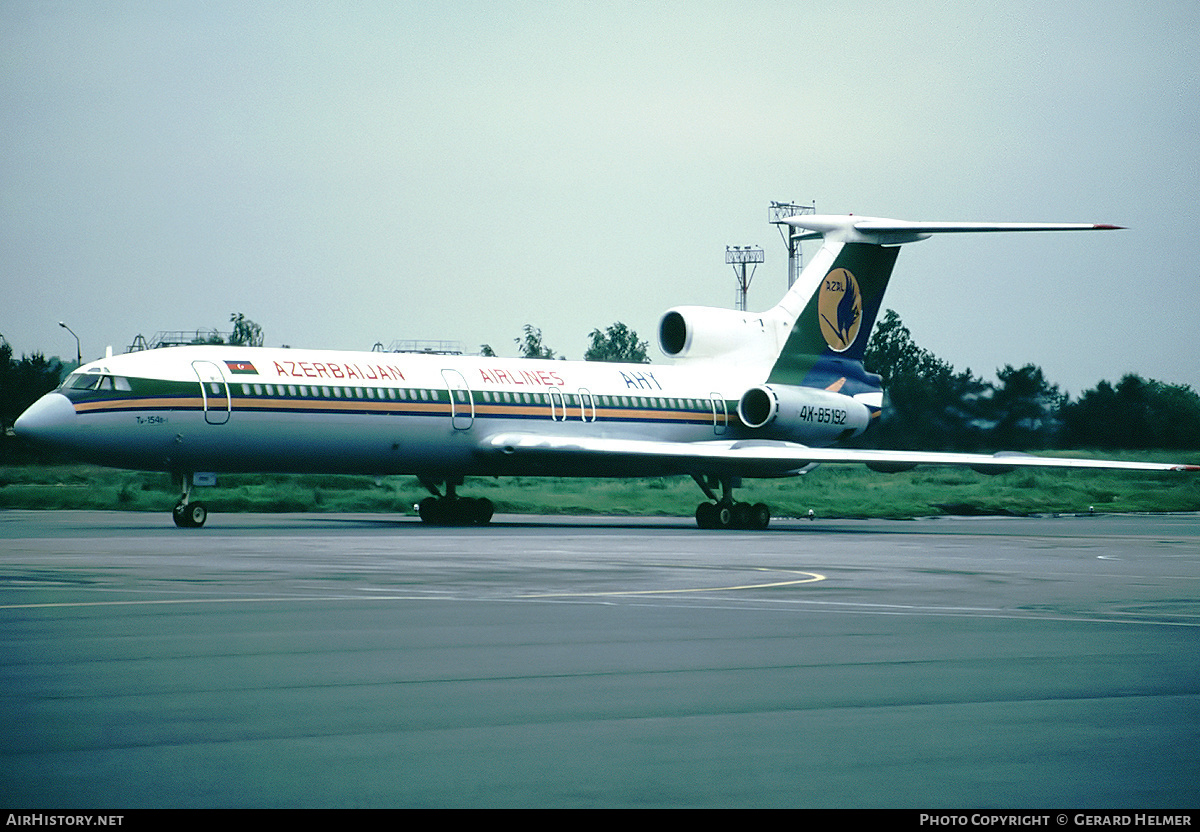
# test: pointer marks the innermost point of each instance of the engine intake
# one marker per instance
(758, 407)
(802, 414)
(705, 332)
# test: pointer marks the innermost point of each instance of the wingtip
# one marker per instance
(1100, 226)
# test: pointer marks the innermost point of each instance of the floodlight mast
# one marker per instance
(776, 214)
(738, 257)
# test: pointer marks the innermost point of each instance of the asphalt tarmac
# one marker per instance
(361, 660)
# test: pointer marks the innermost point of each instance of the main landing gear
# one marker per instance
(187, 515)
(723, 512)
(453, 510)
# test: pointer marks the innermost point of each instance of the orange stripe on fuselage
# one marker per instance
(398, 407)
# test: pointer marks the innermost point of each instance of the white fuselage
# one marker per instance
(223, 408)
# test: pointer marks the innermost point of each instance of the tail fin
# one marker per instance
(828, 338)
(842, 288)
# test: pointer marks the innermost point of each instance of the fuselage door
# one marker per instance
(719, 413)
(462, 403)
(587, 405)
(558, 405)
(214, 391)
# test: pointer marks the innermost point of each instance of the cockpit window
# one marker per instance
(95, 381)
(81, 381)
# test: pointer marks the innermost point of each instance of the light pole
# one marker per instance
(738, 256)
(776, 215)
(78, 351)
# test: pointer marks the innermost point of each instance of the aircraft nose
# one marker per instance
(50, 420)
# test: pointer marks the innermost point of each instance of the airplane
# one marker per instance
(749, 395)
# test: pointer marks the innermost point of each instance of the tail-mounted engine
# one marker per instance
(705, 332)
(802, 414)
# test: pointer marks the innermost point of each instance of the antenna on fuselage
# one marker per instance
(776, 214)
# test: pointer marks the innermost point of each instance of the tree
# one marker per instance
(486, 351)
(928, 405)
(531, 346)
(1024, 408)
(245, 333)
(617, 343)
(22, 383)
(1135, 414)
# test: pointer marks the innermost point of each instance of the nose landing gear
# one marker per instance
(190, 515)
(187, 515)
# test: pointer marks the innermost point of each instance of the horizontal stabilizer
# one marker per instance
(888, 232)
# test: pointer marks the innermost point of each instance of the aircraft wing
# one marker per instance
(765, 458)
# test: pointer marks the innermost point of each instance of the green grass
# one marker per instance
(829, 491)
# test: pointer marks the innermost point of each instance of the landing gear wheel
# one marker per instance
(457, 511)
(741, 515)
(724, 515)
(197, 514)
(483, 511)
(714, 516)
(760, 516)
(190, 515)
(429, 509)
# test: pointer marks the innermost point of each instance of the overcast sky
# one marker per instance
(346, 173)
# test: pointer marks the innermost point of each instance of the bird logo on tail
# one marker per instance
(840, 309)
